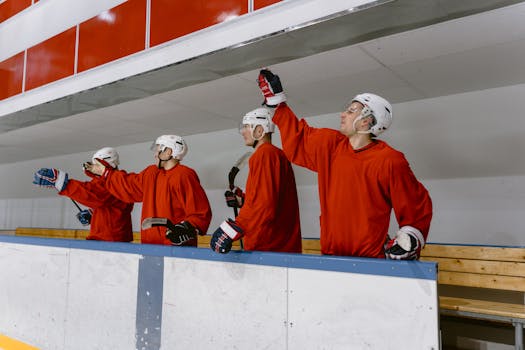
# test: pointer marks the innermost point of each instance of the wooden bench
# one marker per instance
(60, 233)
(494, 269)
(310, 246)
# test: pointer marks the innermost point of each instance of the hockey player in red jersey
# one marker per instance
(111, 218)
(360, 179)
(269, 214)
(167, 189)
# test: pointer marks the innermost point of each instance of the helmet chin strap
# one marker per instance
(365, 113)
(162, 160)
(255, 140)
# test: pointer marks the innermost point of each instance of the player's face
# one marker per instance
(163, 155)
(348, 116)
(246, 133)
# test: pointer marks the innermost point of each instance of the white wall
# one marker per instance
(466, 148)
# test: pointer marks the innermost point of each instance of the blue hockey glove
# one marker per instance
(223, 237)
(84, 216)
(50, 177)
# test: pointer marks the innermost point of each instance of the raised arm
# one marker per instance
(303, 145)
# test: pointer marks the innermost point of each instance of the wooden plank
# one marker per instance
(311, 244)
(60, 233)
(474, 252)
(504, 268)
(481, 281)
(482, 307)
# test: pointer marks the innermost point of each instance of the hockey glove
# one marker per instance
(181, 233)
(406, 245)
(84, 216)
(223, 237)
(50, 177)
(234, 198)
(271, 88)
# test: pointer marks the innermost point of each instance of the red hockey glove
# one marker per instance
(406, 245)
(234, 198)
(271, 88)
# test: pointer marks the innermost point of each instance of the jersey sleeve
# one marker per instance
(91, 194)
(410, 199)
(197, 208)
(125, 186)
(301, 143)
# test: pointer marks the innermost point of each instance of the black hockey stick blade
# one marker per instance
(236, 167)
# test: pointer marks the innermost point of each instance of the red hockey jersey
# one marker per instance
(357, 188)
(111, 220)
(270, 214)
(175, 194)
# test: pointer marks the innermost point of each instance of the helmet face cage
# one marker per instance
(108, 154)
(378, 108)
(174, 142)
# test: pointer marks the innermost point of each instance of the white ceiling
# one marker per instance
(468, 54)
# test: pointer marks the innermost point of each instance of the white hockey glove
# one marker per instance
(406, 245)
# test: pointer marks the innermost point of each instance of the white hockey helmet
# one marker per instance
(176, 143)
(108, 154)
(379, 108)
(260, 116)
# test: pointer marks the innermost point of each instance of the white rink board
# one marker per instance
(222, 305)
(33, 291)
(72, 294)
(338, 310)
(102, 300)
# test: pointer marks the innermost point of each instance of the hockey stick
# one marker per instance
(239, 164)
(83, 215)
(173, 236)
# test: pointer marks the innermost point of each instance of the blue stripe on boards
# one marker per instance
(149, 303)
(370, 266)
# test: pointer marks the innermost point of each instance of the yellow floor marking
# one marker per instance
(7, 343)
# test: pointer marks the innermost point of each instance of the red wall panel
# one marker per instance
(11, 74)
(51, 60)
(257, 4)
(171, 19)
(113, 34)
(10, 8)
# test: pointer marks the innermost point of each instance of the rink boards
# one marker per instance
(70, 294)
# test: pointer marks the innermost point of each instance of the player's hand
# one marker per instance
(100, 167)
(223, 237)
(406, 245)
(234, 198)
(182, 233)
(271, 88)
(50, 177)
(84, 216)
